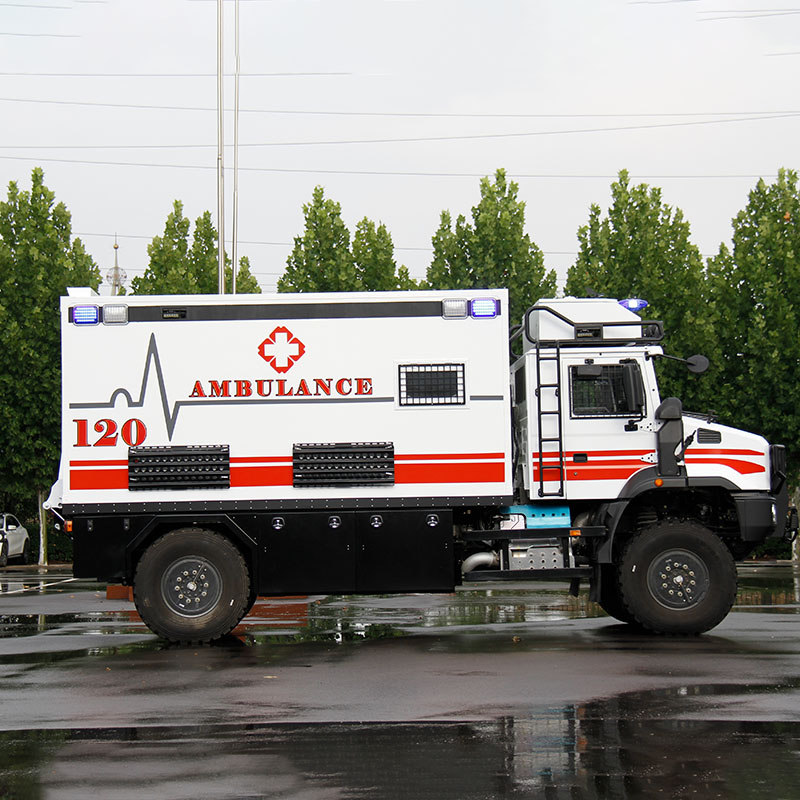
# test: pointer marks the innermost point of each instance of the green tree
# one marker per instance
(321, 260)
(493, 251)
(373, 254)
(757, 316)
(38, 260)
(642, 248)
(178, 267)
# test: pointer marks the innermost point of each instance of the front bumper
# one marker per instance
(765, 515)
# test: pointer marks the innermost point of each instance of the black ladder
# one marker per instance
(548, 405)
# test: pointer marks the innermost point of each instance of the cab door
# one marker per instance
(607, 409)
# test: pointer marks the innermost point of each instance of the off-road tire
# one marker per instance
(192, 585)
(610, 596)
(677, 577)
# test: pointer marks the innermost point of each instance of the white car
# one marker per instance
(15, 544)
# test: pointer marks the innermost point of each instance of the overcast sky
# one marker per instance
(397, 108)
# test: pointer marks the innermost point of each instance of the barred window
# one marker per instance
(598, 391)
(432, 385)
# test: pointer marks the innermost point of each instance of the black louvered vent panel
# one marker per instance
(706, 436)
(343, 464)
(190, 467)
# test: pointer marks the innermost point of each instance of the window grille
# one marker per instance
(432, 385)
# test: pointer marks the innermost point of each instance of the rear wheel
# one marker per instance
(677, 577)
(3, 553)
(192, 585)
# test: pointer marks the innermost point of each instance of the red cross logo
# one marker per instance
(281, 349)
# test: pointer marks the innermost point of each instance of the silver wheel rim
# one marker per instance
(678, 579)
(191, 586)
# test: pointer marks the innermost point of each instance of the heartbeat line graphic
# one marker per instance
(153, 362)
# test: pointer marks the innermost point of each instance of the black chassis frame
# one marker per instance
(307, 551)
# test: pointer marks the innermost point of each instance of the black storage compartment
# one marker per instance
(345, 552)
(307, 553)
(404, 551)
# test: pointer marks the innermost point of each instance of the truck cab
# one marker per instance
(633, 471)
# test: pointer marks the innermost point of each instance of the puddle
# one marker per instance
(66, 608)
(629, 746)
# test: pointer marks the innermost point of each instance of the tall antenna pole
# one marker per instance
(220, 154)
(235, 232)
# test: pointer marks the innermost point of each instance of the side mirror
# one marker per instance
(697, 364)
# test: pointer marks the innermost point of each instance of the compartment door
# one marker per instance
(404, 551)
(307, 553)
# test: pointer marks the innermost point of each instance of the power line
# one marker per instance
(748, 15)
(767, 114)
(241, 241)
(41, 35)
(485, 136)
(398, 173)
(167, 74)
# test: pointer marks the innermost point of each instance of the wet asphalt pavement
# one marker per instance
(511, 691)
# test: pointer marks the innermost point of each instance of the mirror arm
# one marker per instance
(654, 356)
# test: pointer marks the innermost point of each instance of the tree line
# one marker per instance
(738, 307)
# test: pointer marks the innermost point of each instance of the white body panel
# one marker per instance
(739, 457)
(305, 369)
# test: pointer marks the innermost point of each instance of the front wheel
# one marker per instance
(610, 596)
(677, 577)
(192, 585)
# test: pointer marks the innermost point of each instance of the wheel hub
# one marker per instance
(678, 579)
(191, 586)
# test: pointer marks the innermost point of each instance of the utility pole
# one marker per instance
(220, 154)
(235, 231)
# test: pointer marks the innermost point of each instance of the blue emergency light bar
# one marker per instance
(92, 315)
(483, 308)
(84, 315)
(634, 303)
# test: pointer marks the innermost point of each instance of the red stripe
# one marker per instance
(98, 479)
(261, 476)
(705, 451)
(450, 473)
(593, 462)
(445, 456)
(590, 474)
(259, 459)
(593, 453)
(742, 467)
(119, 463)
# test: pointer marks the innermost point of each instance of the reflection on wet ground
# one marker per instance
(617, 748)
(770, 589)
(510, 691)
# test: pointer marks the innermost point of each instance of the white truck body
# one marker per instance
(284, 371)
(219, 448)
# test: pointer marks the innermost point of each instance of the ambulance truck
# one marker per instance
(218, 449)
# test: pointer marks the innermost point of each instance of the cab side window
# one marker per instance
(599, 390)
